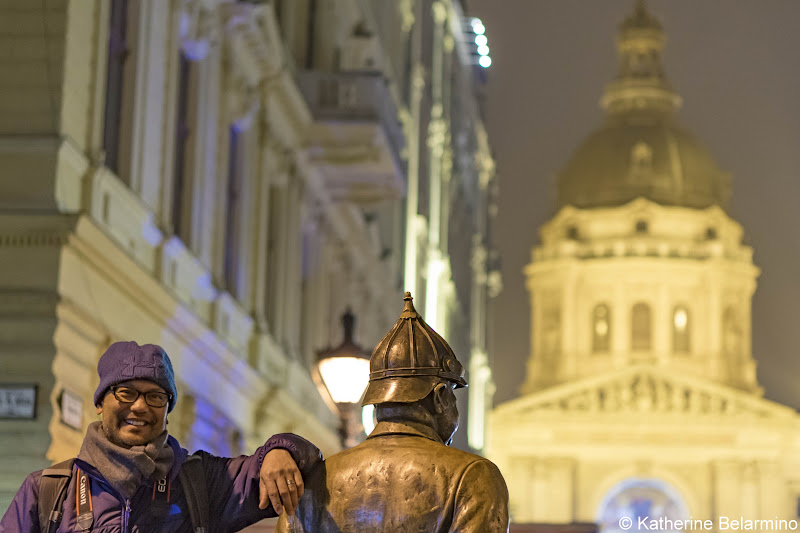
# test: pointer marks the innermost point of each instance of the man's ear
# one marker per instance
(100, 409)
(438, 398)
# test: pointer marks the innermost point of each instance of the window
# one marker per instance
(120, 70)
(680, 330)
(641, 226)
(181, 189)
(572, 233)
(640, 327)
(311, 27)
(233, 206)
(601, 329)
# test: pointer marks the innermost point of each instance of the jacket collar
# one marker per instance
(405, 427)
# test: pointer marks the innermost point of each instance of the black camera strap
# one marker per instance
(83, 498)
(83, 501)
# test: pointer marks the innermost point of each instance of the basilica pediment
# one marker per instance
(646, 389)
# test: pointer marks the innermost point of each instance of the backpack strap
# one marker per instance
(193, 481)
(52, 493)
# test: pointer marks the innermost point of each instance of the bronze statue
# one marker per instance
(404, 477)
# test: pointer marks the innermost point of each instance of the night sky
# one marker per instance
(736, 63)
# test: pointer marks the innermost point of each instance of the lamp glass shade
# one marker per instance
(345, 377)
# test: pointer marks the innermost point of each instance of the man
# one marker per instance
(129, 474)
(404, 477)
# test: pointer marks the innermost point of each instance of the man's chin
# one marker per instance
(127, 438)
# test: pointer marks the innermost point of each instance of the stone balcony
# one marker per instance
(357, 139)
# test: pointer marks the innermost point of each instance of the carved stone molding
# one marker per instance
(199, 29)
(650, 390)
(449, 43)
(486, 168)
(447, 159)
(418, 80)
(243, 103)
(407, 14)
(439, 10)
(437, 134)
(479, 257)
(32, 240)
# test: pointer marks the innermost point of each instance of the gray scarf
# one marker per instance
(126, 469)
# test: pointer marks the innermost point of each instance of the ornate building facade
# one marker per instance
(641, 396)
(225, 179)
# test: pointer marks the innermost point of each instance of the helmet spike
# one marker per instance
(408, 308)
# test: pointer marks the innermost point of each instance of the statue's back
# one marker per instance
(402, 483)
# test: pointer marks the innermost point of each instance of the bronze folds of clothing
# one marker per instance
(402, 479)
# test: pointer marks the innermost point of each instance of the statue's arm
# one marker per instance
(481, 504)
(311, 505)
(283, 525)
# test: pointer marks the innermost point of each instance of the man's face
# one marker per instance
(133, 424)
(446, 412)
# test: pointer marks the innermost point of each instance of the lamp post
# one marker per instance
(345, 372)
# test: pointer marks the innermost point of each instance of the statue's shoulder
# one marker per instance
(467, 458)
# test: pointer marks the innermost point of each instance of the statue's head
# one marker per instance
(413, 363)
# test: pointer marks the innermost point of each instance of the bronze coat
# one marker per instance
(402, 479)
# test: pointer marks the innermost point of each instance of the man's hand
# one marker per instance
(280, 482)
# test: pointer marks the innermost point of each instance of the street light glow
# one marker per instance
(345, 377)
(481, 40)
(485, 61)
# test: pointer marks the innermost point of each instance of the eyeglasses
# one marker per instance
(151, 398)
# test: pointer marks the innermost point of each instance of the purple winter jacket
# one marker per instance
(232, 484)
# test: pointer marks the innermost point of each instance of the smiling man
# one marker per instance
(132, 476)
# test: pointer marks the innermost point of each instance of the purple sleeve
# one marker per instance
(233, 483)
(22, 516)
(302, 451)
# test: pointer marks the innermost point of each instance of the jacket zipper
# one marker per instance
(125, 514)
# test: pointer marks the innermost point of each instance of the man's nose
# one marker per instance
(140, 404)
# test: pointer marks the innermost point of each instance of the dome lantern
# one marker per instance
(641, 150)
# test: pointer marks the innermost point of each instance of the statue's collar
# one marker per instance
(405, 427)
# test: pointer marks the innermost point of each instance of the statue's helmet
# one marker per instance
(410, 361)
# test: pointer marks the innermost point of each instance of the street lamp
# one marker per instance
(345, 372)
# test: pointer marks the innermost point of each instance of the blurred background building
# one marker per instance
(225, 179)
(641, 397)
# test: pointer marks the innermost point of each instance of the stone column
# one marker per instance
(727, 488)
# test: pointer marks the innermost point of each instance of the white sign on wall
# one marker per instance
(18, 401)
(71, 409)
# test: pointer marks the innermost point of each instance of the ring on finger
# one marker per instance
(289, 481)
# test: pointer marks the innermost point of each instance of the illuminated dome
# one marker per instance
(641, 150)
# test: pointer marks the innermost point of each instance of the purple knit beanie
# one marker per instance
(125, 361)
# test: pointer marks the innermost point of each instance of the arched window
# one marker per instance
(681, 330)
(634, 498)
(641, 327)
(601, 328)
